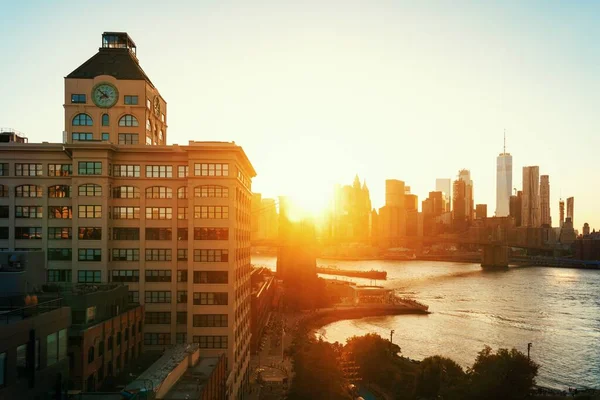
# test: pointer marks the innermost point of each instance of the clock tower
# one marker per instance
(109, 98)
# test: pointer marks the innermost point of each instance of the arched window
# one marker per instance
(211, 191)
(182, 192)
(160, 135)
(82, 120)
(29, 191)
(148, 125)
(90, 189)
(3, 191)
(105, 120)
(91, 355)
(128, 120)
(59, 191)
(159, 192)
(126, 192)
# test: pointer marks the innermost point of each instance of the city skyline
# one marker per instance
(348, 120)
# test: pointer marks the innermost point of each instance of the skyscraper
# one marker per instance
(570, 209)
(444, 185)
(530, 214)
(465, 176)
(503, 182)
(561, 209)
(516, 208)
(546, 218)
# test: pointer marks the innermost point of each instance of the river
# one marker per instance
(555, 309)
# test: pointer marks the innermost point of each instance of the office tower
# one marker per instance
(351, 210)
(586, 229)
(570, 209)
(503, 182)
(411, 202)
(481, 211)
(516, 207)
(263, 220)
(392, 216)
(171, 221)
(432, 208)
(464, 197)
(530, 213)
(255, 216)
(445, 186)
(561, 210)
(459, 204)
(546, 218)
(394, 193)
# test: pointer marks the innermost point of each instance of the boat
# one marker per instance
(371, 274)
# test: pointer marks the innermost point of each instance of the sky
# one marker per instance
(318, 91)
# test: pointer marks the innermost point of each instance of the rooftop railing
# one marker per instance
(22, 313)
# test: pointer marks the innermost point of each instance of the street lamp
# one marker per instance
(528, 349)
(391, 339)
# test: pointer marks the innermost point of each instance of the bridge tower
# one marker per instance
(495, 251)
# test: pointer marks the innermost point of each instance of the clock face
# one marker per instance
(156, 106)
(105, 95)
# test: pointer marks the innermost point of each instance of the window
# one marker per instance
(157, 297)
(62, 344)
(4, 191)
(90, 212)
(29, 191)
(159, 213)
(129, 138)
(82, 120)
(3, 369)
(59, 191)
(78, 98)
(202, 169)
(181, 337)
(110, 344)
(60, 169)
(105, 120)
(182, 296)
(3, 169)
(158, 318)
(158, 254)
(105, 136)
(148, 104)
(60, 212)
(59, 233)
(60, 254)
(211, 212)
(90, 190)
(182, 233)
(159, 171)
(211, 233)
(182, 171)
(22, 360)
(90, 255)
(28, 169)
(125, 254)
(211, 255)
(128, 120)
(25, 233)
(210, 320)
(119, 334)
(90, 233)
(211, 191)
(91, 355)
(89, 168)
(101, 348)
(210, 298)
(182, 254)
(158, 234)
(126, 171)
(182, 213)
(181, 317)
(4, 233)
(52, 349)
(182, 192)
(158, 275)
(88, 276)
(148, 125)
(148, 140)
(133, 297)
(28, 212)
(182, 275)
(126, 233)
(125, 275)
(59, 275)
(159, 192)
(126, 192)
(82, 136)
(210, 277)
(130, 100)
(155, 339)
(211, 342)
(126, 213)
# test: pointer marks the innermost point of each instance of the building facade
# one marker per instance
(571, 209)
(545, 217)
(503, 183)
(444, 185)
(530, 214)
(114, 203)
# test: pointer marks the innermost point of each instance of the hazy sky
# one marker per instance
(317, 91)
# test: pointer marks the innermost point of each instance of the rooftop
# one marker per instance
(10, 314)
(191, 384)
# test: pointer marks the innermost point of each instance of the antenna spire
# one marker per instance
(504, 140)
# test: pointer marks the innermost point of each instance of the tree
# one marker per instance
(504, 375)
(440, 377)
